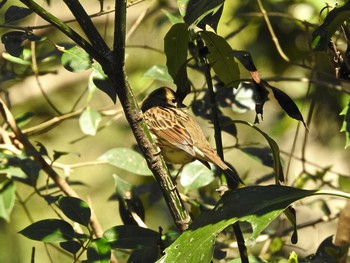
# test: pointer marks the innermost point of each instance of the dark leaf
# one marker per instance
(102, 82)
(131, 237)
(14, 13)
(99, 251)
(75, 209)
(245, 58)
(130, 204)
(71, 246)
(287, 104)
(194, 11)
(146, 254)
(175, 48)
(13, 42)
(334, 19)
(182, 82)
(211, 19)
(49, 230)
(42, 149)
(262, 155)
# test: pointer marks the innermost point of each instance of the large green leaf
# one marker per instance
(195, 175)
(49, 230)
(101, 81)
(75, 209)
(258, 205)
(7, 198)
(175, 48)
(220, 58)
(126, 159)
(76, 59)
(131, 237)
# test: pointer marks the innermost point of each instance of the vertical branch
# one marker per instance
(134, 116)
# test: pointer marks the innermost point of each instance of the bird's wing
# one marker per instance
(168, 126)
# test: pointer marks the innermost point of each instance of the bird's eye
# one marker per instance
(173, 101)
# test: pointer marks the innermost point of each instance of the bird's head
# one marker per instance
(161, 97)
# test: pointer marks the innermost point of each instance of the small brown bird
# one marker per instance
(177, 134)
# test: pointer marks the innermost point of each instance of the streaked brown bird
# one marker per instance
(177, 134)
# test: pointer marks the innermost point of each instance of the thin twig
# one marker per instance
(273, 35)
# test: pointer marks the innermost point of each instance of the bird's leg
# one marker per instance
(178, 173)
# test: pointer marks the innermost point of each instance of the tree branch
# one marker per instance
(134, 116)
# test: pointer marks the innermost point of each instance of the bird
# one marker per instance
(177, 134)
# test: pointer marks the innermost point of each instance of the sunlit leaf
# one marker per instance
(220, 59)
(195, 175)
(258, 205)
(99, 251)
(126, 159)
(89, 121)
(49, 230)
(7, 198)
(76, 59)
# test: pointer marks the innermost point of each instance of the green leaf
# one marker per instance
(346, 124)
(344, 183)
(277, 167)
(126, 159)
(89, 121)
(194, 11)
(262, 155)
(7, 198)
(131, 237)
(76, 59)
(14, 13)
(49, 230)
(158, 72)
(220, 58)
(333, 21)
(102, 82)
(75, 209)
(175, 48)
(258, 205)
(99, 251)
(195, 175)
